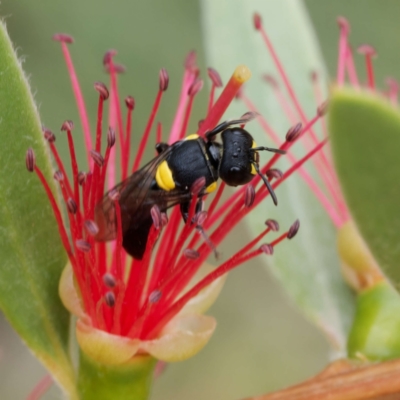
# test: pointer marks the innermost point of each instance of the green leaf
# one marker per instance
(307, 266)
(365, 131)
(31, 253)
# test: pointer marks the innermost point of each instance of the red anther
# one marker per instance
(130, 102)
(200, 218)
(366, 50)
(343, 24)
(215, 77)
(155, 296)
(82, 177)
(83, 245)
(102, 89)
(164, 219)
(110, 137)
(293, 229)
(109, 280)
(272, 224)
(30, 160)
(257, 21)
(58, 176)
(108, 56)
(117, 68)
(314, 76)
(109, 299)
(195, 87)
(67, 125)
(274, 173)
(91, 227)
(72, 206)
(164, 79)
(249, 195)
(323, 108)
(191, 254)
(198, 185)
(190, 61)
(48, 135)
(271, 80)
(114, 195)
(267, 249)
(97, 158)
(156, 216)
(200, 122)
(294, 132)
(63, 37)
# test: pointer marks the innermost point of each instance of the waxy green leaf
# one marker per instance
(307, 266)
(365, 136)
(31, 255)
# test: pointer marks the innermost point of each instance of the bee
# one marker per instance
(167, 179)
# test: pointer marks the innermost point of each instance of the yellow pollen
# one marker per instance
(241, 74)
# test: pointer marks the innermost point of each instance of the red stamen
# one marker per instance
(240, 75)
(41, 388)
(369, 52)
(342, 56)
(193, 90)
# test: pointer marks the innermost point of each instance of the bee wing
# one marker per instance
(136, 197)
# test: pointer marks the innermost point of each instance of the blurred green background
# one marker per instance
(262, 342)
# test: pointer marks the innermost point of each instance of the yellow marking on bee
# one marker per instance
(210, 188)
(164, 177)
(253, 170)
(193, 136)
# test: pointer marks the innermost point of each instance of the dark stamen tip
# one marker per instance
(91, 227)
(190, 61)
(200, 123)
(110, 137)
(109, 299)
(294, 132)
(257, 21)
(114, 195)
(97, 158)
(249, 195)
(272, 224)
(82, 177)
(164, 79)
(58, 176)
(366, 50)
(72, 206)
(314, 76)
(271, 80)
(156, 216)
(215, 77)
(200, 218)
(198, 185)
(130, 102)
(267, 249)
(63, 37)
(164, 219)
(117, 68)
(108, 56)
(293, 229)
(48, 135)
(274, 173)
(323, 108)
(30, 160)
(83, 245)
(101, 88)
(109, 280)
(67, 126)
(343, 23)
(155, 296)
(195, 88)
(191, 254)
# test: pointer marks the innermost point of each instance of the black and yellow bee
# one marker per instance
(167, 179)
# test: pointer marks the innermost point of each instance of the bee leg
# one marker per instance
(161, 147)
(185, 209)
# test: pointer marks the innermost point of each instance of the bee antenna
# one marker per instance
(267, 184)
(261, 148)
